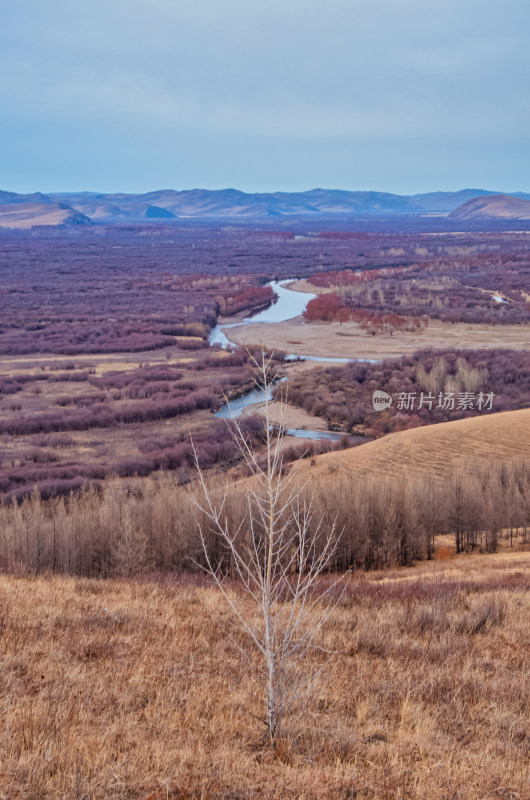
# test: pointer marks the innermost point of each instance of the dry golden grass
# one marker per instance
(435, 449)
(349, 340)
(134, 690)
(305, 285)
(26, 215)
(101, 363)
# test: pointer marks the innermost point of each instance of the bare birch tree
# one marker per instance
(278, 554)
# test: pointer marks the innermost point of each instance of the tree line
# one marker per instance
(152, 525)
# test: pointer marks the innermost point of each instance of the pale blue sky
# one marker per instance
(391, 95)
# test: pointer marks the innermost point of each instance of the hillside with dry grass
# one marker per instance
(27, 215)
(493, 206)
(130, 690)
(434, 449)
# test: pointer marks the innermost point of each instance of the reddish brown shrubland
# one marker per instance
(343, 394)
(455, 287)
(132, 689)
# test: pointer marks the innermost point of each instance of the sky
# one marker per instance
(401, 96)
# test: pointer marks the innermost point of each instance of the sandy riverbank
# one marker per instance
(349, 340)
(292, 417)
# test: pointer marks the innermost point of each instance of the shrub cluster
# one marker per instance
(343, 394)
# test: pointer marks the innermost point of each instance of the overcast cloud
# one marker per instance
(395, 95)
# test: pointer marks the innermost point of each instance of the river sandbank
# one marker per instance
(349, 340)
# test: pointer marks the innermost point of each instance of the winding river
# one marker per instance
(289, 304)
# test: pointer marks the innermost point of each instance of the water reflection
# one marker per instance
(288, 305)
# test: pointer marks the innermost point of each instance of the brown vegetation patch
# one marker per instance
(135, 690)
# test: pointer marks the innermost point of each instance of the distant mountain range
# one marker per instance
(67, 209)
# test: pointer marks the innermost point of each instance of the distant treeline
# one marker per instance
(152, 527)
(455, 289)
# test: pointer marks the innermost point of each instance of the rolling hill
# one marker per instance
(31, 214)
(444, 202)
(493, 206)
(432, 449)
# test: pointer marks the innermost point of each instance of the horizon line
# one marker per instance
(270, 192)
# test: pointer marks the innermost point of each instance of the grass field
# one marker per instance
(435, 449)
(116, 689)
